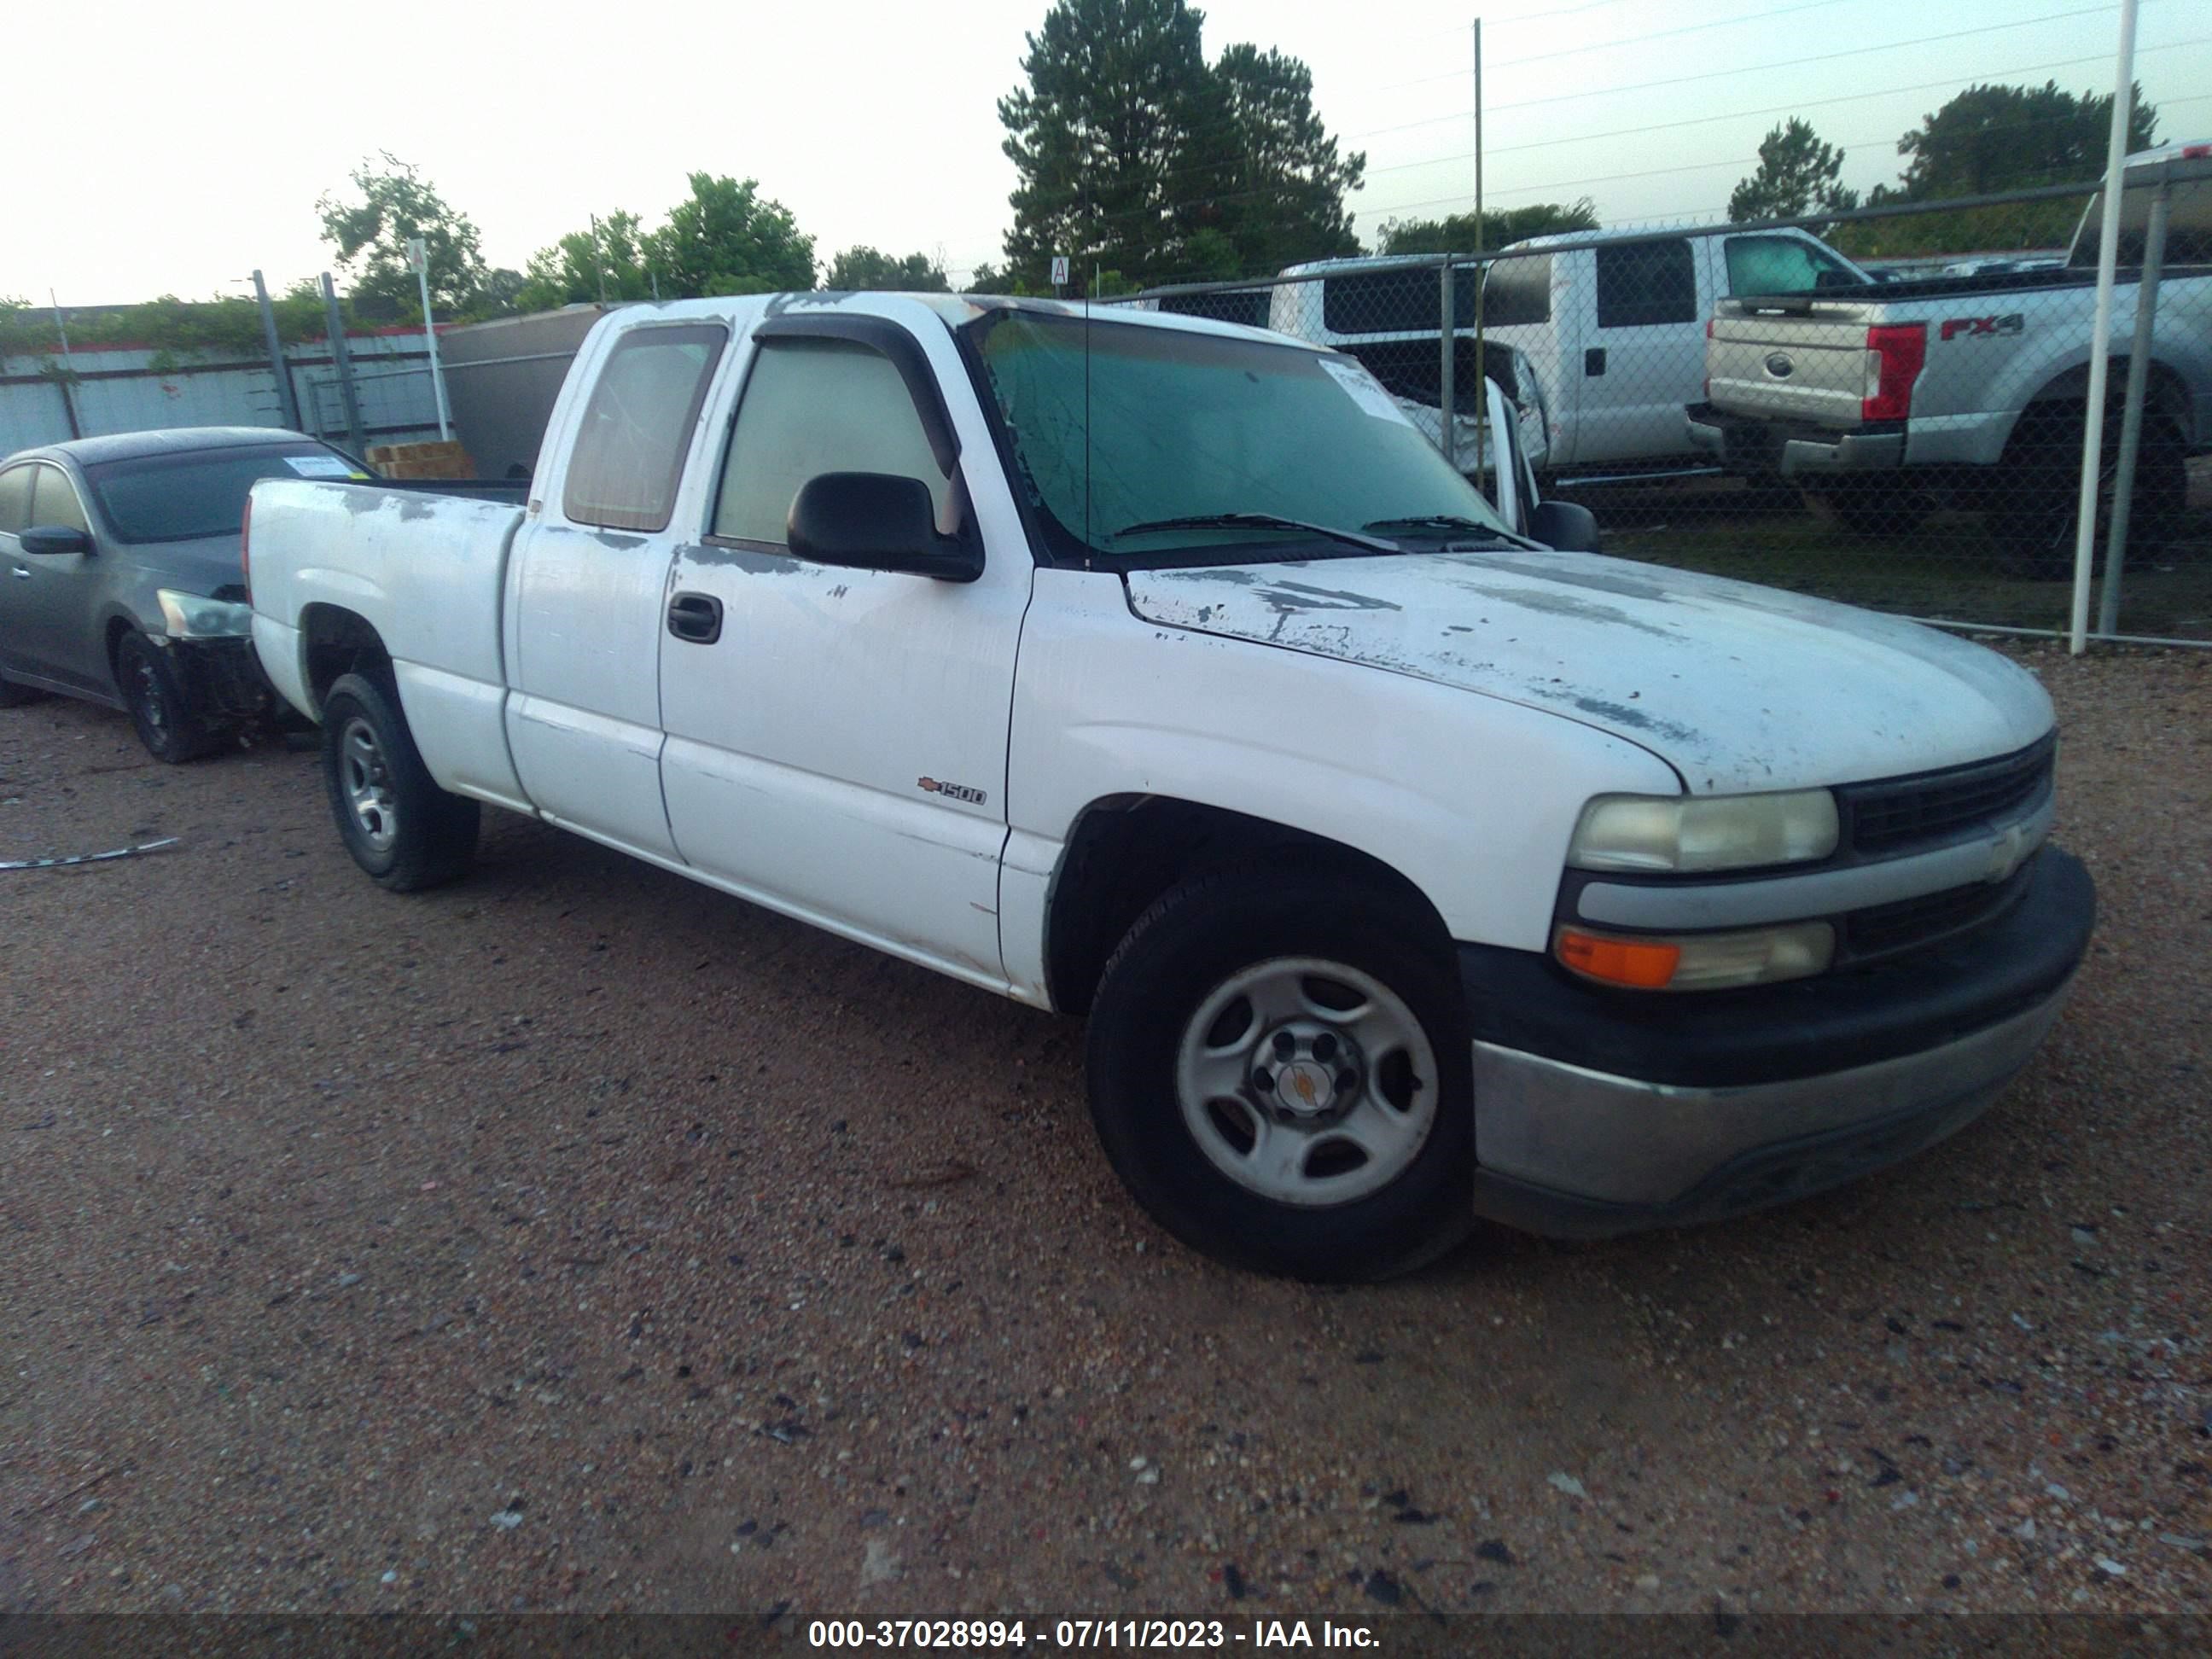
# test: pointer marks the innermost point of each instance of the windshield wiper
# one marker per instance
(1435, 521)
(1258, 521)
(1451, 521)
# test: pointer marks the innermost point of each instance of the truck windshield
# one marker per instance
(1117, 425)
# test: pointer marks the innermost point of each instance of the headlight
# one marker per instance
(1684, 833)
(191, 616)
(1699, 962)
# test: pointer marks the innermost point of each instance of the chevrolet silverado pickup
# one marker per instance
(1973, 391)
(1410, 866)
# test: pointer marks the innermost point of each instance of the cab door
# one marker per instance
(836, 737)
(1644, 357)
(587, 596)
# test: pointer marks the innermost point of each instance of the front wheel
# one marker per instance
(160, 708)
(402, 829)
(1279, 1073)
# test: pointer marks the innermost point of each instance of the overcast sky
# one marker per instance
(180, 145)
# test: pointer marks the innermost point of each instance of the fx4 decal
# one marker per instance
(1975, 328)
(951, 791)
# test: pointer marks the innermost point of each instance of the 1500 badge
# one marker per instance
(952, 791)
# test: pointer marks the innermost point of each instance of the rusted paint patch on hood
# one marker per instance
(1738, 687)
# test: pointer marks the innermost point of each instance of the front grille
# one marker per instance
(1898, 813)
(1882, 929)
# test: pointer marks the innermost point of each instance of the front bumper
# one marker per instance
(223, 678)
(1794, 451)
(1601, 1112)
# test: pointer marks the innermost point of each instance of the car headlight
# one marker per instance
(1679, 834)
(193, 616)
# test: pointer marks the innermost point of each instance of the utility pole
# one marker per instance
(342, 366)
(418, 255)
(288, 404)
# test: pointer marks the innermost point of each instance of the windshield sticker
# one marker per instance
(1366, 390)
(321, 466)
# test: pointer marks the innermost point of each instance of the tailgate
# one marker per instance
(1785, 366)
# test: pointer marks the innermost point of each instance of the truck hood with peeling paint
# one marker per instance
(1739, 687)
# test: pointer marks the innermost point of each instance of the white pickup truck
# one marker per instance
(1157, 668)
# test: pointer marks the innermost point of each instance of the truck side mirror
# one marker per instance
(874, 521)
(1563, 527)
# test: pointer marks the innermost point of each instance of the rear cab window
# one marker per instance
(1644, 284)
(627, 458)
(1784, 264)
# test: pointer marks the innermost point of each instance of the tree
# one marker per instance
(500, 295)
(860, 268)
(1280, 184)
(1991, 138)
(1797, 176)
(1458, 233)
(371, 235)
(1117, 95)
(724, 238)
(605, 261)
(1986, 140)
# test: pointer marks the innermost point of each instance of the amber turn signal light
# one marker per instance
(1646, 965)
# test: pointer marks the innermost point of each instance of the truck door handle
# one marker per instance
(696, 618)
(1593, 362)
(23, 572)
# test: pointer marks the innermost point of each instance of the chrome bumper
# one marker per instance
(1573, 1152)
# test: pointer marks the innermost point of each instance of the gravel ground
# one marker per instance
(572, 1238)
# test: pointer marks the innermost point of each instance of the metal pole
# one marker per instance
(430, 336)
(2108, 254)
(1447, 363)
(342, 367)
(1482, 271)
(2123, 488)
(287, 405)
(69, 373)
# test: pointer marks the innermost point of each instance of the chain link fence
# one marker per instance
(1888, 407)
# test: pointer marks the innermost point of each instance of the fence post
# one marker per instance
(288, 405)
(2123, 487)
(2108, 251)
(1447, 365)
(342, 365)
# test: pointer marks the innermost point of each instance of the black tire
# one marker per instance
(403, 830)
(160, 708)
(1876, 507)
(2034, 510)
(1192, 946)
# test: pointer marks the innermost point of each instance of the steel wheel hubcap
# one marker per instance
(151, 708)
(1306, 1081)
(367, 784)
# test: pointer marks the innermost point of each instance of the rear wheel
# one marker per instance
(1279, 1073)
(2034, 511)
(404, 830)
(159, 707)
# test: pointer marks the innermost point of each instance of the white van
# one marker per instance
(1610, 324)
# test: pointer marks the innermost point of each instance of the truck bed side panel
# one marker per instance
(427, 573)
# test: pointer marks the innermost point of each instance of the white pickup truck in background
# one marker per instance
(1610, 324)
(1408, 867)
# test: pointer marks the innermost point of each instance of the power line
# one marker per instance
(1716, 74)
(1627, 40)
(1737, 161)
(1781, 109)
